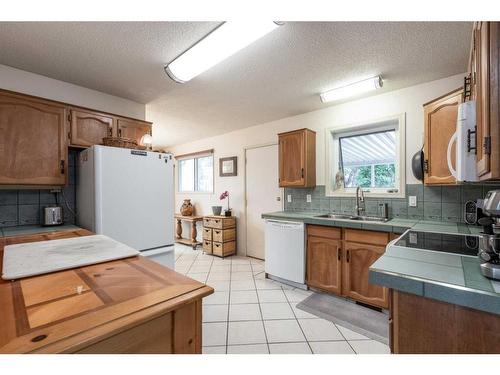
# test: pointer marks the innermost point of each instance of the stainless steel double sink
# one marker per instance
(353, 217)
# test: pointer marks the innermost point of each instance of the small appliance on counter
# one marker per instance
(465, 140)
(489, 240)
(52, 215)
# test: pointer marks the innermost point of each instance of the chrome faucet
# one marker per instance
(360, 201)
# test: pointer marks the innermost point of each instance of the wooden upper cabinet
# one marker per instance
(33, 141)
(358, 257)
(482, 95)
(133, 129)
(440, 123)
(297, 158)
(484, 70)
(89, 128)
(324, 259)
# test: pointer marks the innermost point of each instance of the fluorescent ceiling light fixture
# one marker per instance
(224, 41)
(352, 90)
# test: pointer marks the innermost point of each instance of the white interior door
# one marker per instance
(263, 194)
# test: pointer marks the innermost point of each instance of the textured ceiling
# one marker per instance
(280, 75)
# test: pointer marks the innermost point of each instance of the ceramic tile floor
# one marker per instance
(249, 314)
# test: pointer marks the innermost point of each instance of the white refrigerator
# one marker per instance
(128, 195)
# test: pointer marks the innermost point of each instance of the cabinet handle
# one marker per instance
(110, 131)
(119, 132)
(426, 166)
(302, 172)
(339, 252)
(347, 256)
(61, 166)
(470, 147)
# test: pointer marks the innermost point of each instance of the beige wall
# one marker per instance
(37, 85)
(408, 101)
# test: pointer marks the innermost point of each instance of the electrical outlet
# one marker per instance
(308, 198)
(289, 198)
(412, 201)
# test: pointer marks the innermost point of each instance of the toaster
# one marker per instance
(52, 215)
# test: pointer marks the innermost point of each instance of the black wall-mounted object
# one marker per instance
(417, 165)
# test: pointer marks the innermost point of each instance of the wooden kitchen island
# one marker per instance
(132, 305)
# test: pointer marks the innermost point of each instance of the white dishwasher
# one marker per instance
(285, 252)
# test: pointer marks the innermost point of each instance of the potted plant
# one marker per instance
(222, 197)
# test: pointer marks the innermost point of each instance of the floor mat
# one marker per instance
(360, 319)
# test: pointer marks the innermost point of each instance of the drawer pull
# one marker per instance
(217, 231)
(216, 245)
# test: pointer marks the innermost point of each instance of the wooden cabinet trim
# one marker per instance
(68, 105)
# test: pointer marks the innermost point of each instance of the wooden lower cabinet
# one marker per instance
(324, 263)
(337, 264)
(358, 259)
(420, 325)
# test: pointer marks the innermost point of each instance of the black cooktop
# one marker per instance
(447, 243)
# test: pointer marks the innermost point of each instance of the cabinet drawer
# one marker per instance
(219, 222)
(223, 235)
(366, 236)
(207, 246)
(223, 249)
(324, 231)
(207, 234)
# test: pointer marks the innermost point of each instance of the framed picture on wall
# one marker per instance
(228, 166)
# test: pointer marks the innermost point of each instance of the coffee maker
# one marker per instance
(489, 239)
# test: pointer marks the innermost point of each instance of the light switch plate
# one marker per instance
(412, 201)
(289, 198)
(308, 198)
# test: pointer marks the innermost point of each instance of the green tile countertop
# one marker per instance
(394, 225)
(442, 276)
(33, 229)
(445, 277)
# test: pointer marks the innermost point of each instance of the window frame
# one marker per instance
(195, 157)
(333, 135)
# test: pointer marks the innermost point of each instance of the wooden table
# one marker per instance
(192, 220)
(131, 305)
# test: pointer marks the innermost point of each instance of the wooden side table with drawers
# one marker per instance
(219, 235)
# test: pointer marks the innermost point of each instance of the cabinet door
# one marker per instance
(292, 159)
(88, 129)
(358, 258)
(440, 123)
(33, 142)
(482, 87)
(324, 261)
(133, 129)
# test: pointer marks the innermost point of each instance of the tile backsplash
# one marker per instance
(24, 206)
(440, 203)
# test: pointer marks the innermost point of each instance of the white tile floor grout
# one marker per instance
(249, 314)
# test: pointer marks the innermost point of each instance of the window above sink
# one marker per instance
(370, 155)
